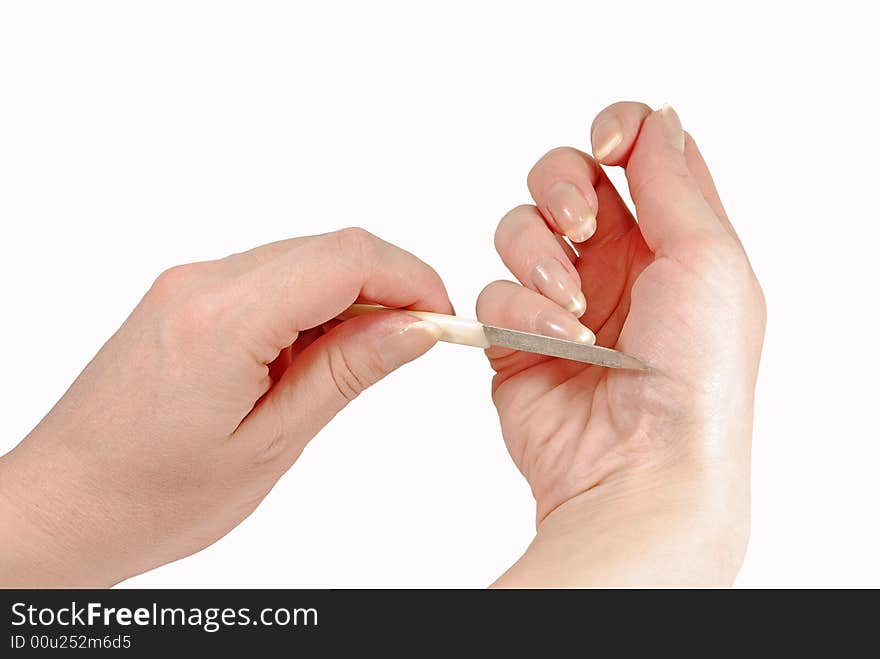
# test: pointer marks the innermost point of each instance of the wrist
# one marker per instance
(50, 539)
(674, 527)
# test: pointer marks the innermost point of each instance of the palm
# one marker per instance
(626, 464)
(674, 289)
(564, 422)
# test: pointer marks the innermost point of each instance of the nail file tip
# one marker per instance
(633, 363)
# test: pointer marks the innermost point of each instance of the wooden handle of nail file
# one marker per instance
(463, 331)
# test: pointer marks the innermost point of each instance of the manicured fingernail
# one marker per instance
(571, 210)
(563, 326)
(607, 136)
(672, 129)
(406, 344)
(553, 281)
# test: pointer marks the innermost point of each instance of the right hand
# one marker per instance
(206, 395)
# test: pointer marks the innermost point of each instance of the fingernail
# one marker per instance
(406, 344)
(563, 326)
(571, 210)
(607, 135)
(672, 129)
(553, 281)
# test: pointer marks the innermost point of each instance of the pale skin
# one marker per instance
(211, 389)
(640, 478)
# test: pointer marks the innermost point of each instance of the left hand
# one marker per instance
(639, 477)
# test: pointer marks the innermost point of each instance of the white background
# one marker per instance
(134, 136)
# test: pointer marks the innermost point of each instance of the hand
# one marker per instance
(640, 478)
(205, 396)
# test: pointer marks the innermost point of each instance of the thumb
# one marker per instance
(333, 371)
(673, 213)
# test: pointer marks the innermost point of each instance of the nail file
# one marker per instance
(464, 331)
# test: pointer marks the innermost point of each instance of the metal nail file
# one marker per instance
(465, 331)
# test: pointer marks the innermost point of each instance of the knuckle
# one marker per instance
(356, 237)
(509, 225)
(351, 377)
(357, 242)
(196, 317)
(173, 280)
(658, 177)
(344, 378)
(718, 253)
